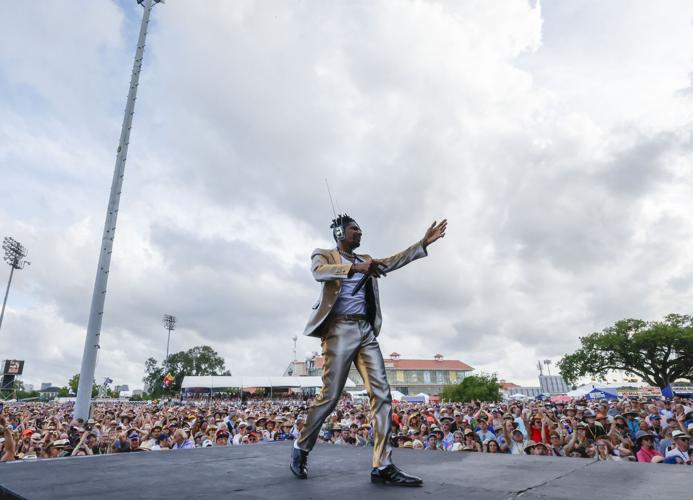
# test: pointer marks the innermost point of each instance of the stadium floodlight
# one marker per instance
(98, 298)
(14, 256)
(170, 325)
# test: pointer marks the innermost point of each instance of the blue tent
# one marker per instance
(598, 393)
(683, 390)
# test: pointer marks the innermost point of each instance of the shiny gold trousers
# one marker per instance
(348, 341)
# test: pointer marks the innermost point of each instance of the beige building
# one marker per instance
(408, 376)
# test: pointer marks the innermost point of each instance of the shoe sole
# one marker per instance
(390, 483)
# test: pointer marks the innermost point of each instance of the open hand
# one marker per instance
(435, 232)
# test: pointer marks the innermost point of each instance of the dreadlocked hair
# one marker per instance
(341, 221)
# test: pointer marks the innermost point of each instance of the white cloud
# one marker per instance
(555, 137)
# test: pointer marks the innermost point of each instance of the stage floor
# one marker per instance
(262, 472)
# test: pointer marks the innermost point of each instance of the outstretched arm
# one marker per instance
(416, 251)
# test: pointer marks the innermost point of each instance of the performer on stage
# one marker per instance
(348, 319)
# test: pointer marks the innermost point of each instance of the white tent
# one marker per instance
(241, 381)
(396, 395)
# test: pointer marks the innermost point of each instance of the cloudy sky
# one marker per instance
(555, 137)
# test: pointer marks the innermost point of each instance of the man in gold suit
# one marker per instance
(347, 319)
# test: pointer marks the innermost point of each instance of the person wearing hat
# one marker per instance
(400, 439)
(632, 422)
(620, 427)
(471, 441)
(594, 429)
(163, 442)
(534, 448)
(447, 435)
(337, 434)
(297, 427)
(556, 444)
(348, 319)
(458, 421)
(656, 427)
(241, 432)
(284, 432)
(515, 441)
(647, 451)
(578, 440)
(681, 446)
(605, 451)
(432, 442)
(483, 431)
(222, 437)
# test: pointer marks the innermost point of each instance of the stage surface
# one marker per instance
(262, 472)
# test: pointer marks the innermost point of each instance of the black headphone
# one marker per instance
(338, 230)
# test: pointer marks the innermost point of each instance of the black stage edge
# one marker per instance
(262, 472)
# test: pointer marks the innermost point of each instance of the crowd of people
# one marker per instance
(653, 431)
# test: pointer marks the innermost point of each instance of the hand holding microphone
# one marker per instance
(368, 268)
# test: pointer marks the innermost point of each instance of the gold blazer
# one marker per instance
(327, 269)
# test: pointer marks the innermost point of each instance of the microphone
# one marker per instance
(360, 284)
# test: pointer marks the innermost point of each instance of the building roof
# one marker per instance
(427, 364)
(50, 389)
(242, 381)
(414, 364)
(507, 385)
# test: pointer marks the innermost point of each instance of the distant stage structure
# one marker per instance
(98, 299)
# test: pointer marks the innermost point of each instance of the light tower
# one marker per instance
(14, 256)
(98, 298)
(170, 325)
(547, 362)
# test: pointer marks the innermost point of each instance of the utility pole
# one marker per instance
(14, 256)
(98, 299)
(169, 324)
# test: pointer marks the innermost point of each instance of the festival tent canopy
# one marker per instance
(599, 393)
(241, 381)
(419, 398)
(397, 396)
(561, 398)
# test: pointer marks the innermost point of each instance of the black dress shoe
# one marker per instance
(299, 463)
(392, 475)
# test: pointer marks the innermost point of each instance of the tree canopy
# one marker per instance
(657, 351)
(473, 388)
(72, 386)
(200, 360)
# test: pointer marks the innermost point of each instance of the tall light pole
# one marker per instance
(14, 256)
(98, 299)
(170, 325)
(547, 362)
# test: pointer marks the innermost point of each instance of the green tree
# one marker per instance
(153, 378)
(73, 384)
(473, 388)
(21, 391)
(200, 360)
(657, 351)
